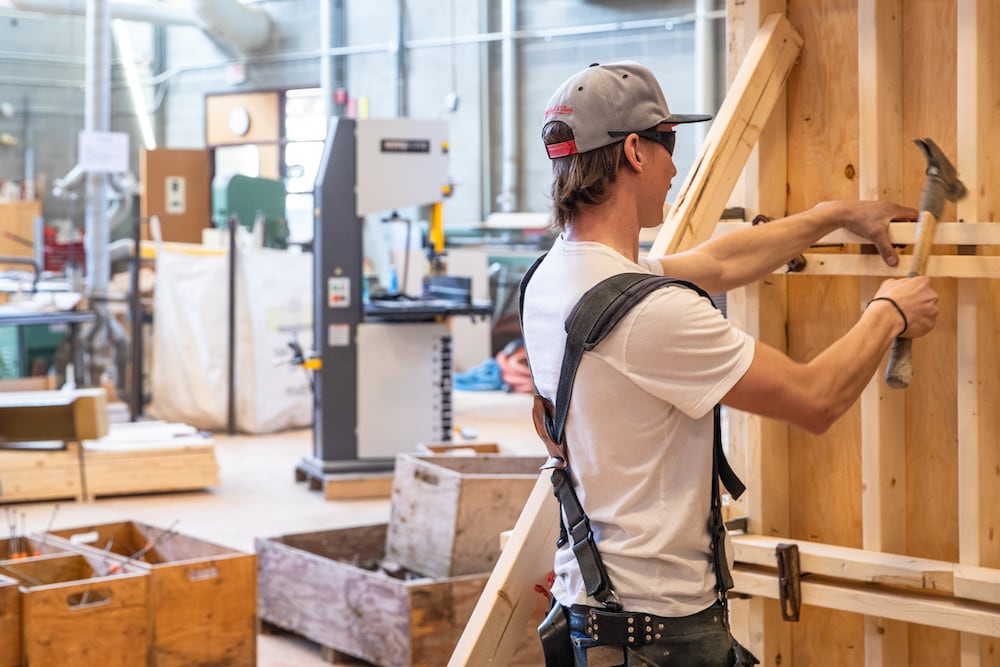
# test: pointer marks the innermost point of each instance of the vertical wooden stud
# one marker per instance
(761, 310)
(883, 419)
(978, 113)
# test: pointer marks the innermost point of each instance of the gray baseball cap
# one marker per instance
(605, 99)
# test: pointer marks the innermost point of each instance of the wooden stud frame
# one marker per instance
(896, 509)
(890, 473)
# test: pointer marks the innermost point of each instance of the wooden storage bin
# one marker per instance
(10, 623)
(73, 615)
(203, 596)
(35, 473)
(34, 545)
(448, 511)
(319, 585)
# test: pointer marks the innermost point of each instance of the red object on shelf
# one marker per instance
(58, 255)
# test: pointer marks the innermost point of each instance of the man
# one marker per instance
(639, 433)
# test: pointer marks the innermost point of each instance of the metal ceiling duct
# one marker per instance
(243, 26)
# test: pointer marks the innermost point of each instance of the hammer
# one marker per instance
(942, 183)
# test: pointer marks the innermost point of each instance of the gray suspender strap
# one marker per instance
(592, 318)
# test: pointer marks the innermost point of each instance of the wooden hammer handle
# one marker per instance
(899, 370)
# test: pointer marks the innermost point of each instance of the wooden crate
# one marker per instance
(320, 585)
(148, 457)
(203, 596)
(72, 614)
(448, 511)
(32, 472)
(33, 545)
(10, 623)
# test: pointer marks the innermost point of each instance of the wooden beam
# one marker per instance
(758, 447)
(911, 607)
(978, 112)
(902, 233)
(496, 626)
(883, 410)
(864, 565)
(938, 266)
(753, 94)
(81, 414)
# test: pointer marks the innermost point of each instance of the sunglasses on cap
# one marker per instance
(666, 139)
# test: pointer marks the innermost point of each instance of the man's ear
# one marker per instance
(634, 154)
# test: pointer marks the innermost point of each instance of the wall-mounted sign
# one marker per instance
(103, 152)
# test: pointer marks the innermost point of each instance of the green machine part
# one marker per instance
(248, 197)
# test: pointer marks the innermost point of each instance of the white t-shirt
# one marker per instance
(639, 430)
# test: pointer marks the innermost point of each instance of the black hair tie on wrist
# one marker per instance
(906, 323)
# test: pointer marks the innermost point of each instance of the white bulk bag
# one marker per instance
(189, 374)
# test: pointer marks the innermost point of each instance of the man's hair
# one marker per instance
(582, 179)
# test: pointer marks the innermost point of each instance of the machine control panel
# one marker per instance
(338, 292)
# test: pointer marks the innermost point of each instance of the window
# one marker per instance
(305, 131)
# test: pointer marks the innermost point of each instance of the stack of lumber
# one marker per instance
(58, 444)
(148, 457)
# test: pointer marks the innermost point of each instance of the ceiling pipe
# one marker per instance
(509, 199)
(245, 27)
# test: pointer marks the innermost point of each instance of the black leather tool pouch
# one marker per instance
(557, 646)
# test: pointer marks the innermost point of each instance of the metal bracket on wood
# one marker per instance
(789, 575)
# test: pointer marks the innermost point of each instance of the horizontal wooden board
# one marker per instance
(40, 474)
(920, 608)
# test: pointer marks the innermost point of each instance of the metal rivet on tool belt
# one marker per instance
(631, 640)
(649, 628)
(659, 626)
(648, 638)
(648, 619)
(657, 635)
(631, 620)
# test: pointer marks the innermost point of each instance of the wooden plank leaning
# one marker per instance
(496, 624)
(752, 96)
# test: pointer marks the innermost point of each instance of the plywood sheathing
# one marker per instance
(911, 471)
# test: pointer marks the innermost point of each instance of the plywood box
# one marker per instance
(448, 511)
(324, 586)
(40, 473)
(203, 596)
(73, 613)
(10, 623)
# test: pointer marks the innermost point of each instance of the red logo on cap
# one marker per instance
(561, 109)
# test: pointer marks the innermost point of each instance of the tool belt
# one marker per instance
(637, 629)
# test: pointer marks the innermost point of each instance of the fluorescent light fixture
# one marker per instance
(132, 77)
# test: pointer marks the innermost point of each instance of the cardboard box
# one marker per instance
(73, 613)
(324, 587)
(448, 511)
(203, 596)
(10, 623)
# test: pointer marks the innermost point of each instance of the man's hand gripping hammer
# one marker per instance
(942, 184)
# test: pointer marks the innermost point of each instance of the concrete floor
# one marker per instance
(259, 497)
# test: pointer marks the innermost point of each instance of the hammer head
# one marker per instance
(941, 172)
